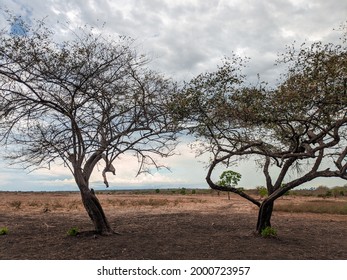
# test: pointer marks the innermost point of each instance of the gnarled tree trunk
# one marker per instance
(92, 205)
(264, 215)
(96, 213)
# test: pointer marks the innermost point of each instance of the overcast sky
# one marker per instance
(183, 38)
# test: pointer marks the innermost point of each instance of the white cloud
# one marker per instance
(189, 37)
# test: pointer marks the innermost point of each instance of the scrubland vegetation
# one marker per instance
(311, 200)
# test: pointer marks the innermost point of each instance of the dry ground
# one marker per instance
(163, 226)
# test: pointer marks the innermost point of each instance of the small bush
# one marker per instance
(193, 191)
(183, 191)
(73, 231)
(269, 232)
(338, 191)
(262, 191)
(329, 193)
(157, 191)
(3, 231)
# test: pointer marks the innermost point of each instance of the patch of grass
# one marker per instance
(4, 231)
(111, 202)
(315, 206)
(56, 205)
(73, 231)
(35, 203)
(269, 232)
(15, 204)
(153, 202)
(150, 202)
(53, 205)
(122, 202)
(75, 204)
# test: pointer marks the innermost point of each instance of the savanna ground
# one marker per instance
(169, 226)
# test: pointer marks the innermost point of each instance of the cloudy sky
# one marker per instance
(183, 38)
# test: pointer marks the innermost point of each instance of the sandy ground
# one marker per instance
(163, 226)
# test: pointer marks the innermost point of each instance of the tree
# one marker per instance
(80, 102)
(229, 178)
(297, 127)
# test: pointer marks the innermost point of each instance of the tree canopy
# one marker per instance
(80, 102)
(297, 127)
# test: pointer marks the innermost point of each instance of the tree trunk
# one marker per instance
(95, 211)
(264, 215)
(91, 202)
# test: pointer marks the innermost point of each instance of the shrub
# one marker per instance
(262, 191)
(321, 191)
(338, 191)
(73, 231)
(329, 193)
(157, 191)
(269, 232)
(3, 231)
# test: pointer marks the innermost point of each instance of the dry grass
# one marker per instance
(71, 202)
(164, 226)
(321, 206)
(150, 201)
(40, 202)
(16, 204)
(137, 202)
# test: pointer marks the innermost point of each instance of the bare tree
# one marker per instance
(80, 102)
(297, 128)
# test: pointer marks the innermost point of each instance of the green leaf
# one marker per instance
(229, 178)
